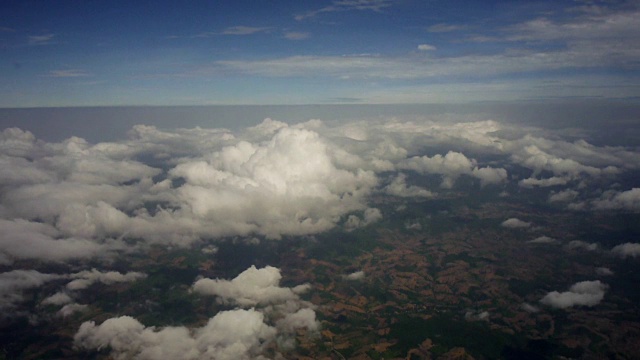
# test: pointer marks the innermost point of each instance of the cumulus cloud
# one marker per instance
(14, 282)
(582, 245)
(563, 196)
(543, 240)
(369, 216)
(584, 293)
(250, 288)
(84, 279)
(451, 166)
(626, 250)
(59, 298)
(612, 200)
(604, 271)
(515, 223)
(358, 275)
(235, 334)
(399, 187)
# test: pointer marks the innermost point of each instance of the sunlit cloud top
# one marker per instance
(359, 51)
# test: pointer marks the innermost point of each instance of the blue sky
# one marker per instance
(87, 53)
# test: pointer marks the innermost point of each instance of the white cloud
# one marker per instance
(603, 271)
(59, 298)
(296, 35)
(43, 39)
(14, 282)
(529, 308)
(70, 309)
(563, 196)
(426, 47)
(515, 223)
(578, 244)
(244, 30)
(70, 73)
(626, 200)
(250, 288)
(543, 240)
(358, 275)
(84, 279)
(585, 293)
(626, 250)
(398, 187)
(235, 334)
(347, 5)
(451, 166)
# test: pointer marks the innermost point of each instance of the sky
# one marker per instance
(107, 53)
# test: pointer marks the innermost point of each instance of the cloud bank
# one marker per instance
(584, 293)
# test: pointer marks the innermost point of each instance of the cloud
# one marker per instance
(67, 73)
(515, 223)
(234, 334)
(626, 250)
(14, 282)
(543, 240)
(398, 187)
(347, 5)
(22, 239)
(426, 47)
(369, 216)
(585, 293)
(358, 275)
(612, 200)
(43, 39)
(443, 28)
(451, 166)
(603, 271)
(59, 298)
(296, 35)
(70, 309)
(578, 244)
(563, 196)
(529, 308)
(250, 288)
(244, 30)
(84, 279)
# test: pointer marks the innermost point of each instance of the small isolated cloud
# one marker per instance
(244, 30)
(67, 73)
(252, 287)
(84, 279)
(476, 316)
(442, 28)
(584, 293)
(529, 308)
(581, 245)
(515, 223)
(358, 275)
(296, 35)
(41, 39)
(626, 250)
(543, 240)
(426, 47)
(604, 271)
(347, 5)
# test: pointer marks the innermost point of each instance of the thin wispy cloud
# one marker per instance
(296, 35)
(71, 73)
(347, 5)
(443, 28)
(41, 39)
(244, 30)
